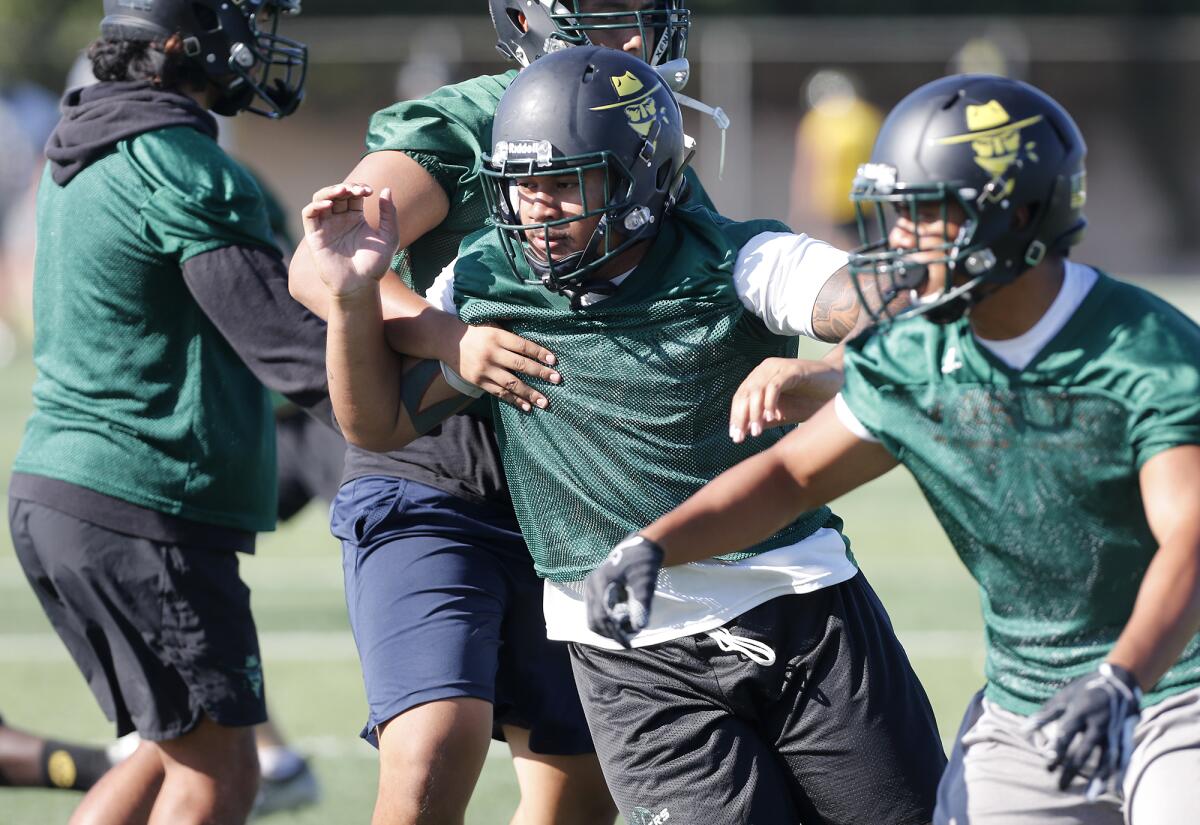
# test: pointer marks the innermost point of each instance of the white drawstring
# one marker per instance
(752, 649)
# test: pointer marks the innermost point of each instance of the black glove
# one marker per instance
(619, 591)
(1096, 715)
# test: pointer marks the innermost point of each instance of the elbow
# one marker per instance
(305, 286)
(295, 285)
(372, 443)
(375, 440)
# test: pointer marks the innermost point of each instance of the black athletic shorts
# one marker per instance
(162, 632)
(837, 730)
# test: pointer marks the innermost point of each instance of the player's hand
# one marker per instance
(492, 359)
(781, 391)
(1094, 719)
(350, 254)
(618, 592)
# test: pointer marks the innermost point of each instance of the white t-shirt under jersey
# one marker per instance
(778, 277)
(1018, 352)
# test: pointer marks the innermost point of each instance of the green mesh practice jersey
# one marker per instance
(137, 395)
(641, 420)
(447, 132)
(1033, 473)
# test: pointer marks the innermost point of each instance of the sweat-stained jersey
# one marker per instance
(1033, 472)
(132, 397)
(640, 421)
(447, 132)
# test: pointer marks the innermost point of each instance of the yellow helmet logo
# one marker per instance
(996, 139)
(637, 101)
(627, 84)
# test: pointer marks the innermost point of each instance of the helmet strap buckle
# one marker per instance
(979, 262)
(191, 46)
(1035, 253)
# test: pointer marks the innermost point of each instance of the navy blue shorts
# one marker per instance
(444, 603)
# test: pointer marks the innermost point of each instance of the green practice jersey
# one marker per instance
(1033, 473)
(137, 395)
(641, 420)
(447, 132)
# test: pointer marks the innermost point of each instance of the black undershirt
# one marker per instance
(244, 292)
(123, 517)
(459, 457)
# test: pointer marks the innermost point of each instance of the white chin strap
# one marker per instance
(676, 73)
(719, 118)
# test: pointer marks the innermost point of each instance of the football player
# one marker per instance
(1051, 415)
(160, 304)
(444, 602)
(772, 688)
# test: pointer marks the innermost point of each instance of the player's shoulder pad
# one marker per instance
(725, 236)
(908, 351)
(1141, 321)
(482, 270)
(183, 163)
(199, 197)
(460, 112)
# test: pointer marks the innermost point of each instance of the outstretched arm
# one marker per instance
(1166, 615)
(748, 503)
(784, 391)
(380, 400)
(837, 312)
(1095, 714)
(739, 508)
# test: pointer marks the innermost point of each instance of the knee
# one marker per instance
(591, 809)
(429, 760)
(240, 785)
(234, 778)
(214, 768)
(569, 809)
(562, 789)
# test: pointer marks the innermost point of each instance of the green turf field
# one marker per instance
(312, 673)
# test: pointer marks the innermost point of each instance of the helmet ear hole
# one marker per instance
(206, 18)
(517, 19)
(1024, 216)
(953, 99)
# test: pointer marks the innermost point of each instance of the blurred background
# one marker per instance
(805, 83)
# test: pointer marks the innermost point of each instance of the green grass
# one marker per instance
(313, 680)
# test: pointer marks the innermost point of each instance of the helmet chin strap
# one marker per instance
(719, 118)
(569, 264)
(676, 73)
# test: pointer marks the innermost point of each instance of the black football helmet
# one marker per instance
(570, 112)
(990, 145)
(235, 42)
(529, 29)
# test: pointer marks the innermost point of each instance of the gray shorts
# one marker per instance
(997, 774)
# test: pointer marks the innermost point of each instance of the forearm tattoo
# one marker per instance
(418, 379)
